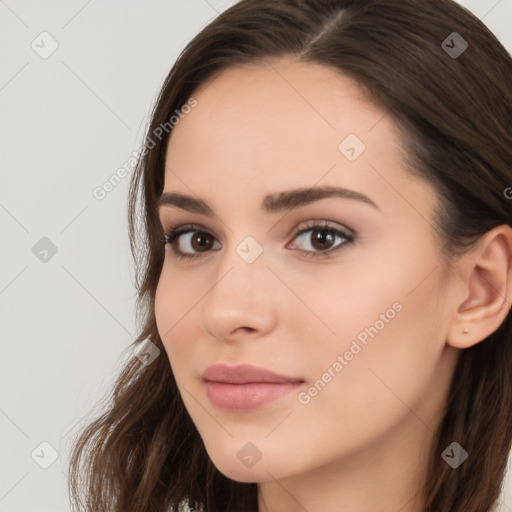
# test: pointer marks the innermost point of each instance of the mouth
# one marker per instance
(246, 397)
(245, 387)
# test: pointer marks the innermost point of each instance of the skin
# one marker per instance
(363, 441)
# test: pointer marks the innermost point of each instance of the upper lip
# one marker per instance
(243, 374)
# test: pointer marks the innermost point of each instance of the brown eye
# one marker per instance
(320, 239)
(189, 241)
(200, 241)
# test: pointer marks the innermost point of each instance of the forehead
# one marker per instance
(306, 100)
(273, 126)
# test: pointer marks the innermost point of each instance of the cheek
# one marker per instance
(164, 308)
(388, 302)
(389, 336)
(173, 304)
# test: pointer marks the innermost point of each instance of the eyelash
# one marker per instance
(173, 235)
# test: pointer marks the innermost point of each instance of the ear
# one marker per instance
(487, 289)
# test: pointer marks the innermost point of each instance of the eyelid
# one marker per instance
(173, 233)
(325, 224)
(178, 228)
(168, 228)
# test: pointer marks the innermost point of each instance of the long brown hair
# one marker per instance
(454, 112)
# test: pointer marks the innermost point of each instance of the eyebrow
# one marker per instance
(272, 203)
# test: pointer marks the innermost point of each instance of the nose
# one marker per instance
(241, 300)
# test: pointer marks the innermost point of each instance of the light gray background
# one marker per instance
(68, 122)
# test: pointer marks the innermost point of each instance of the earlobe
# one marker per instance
(488, 290)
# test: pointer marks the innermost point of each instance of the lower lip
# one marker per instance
(246, 397)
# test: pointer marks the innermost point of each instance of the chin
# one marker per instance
(247, 476)
(235, 469)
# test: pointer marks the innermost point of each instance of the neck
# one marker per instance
(387, 475)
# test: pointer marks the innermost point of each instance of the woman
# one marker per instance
(325, 265)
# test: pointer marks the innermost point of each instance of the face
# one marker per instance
(344, 294)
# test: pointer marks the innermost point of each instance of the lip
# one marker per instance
(244, 374)
(245, 387)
